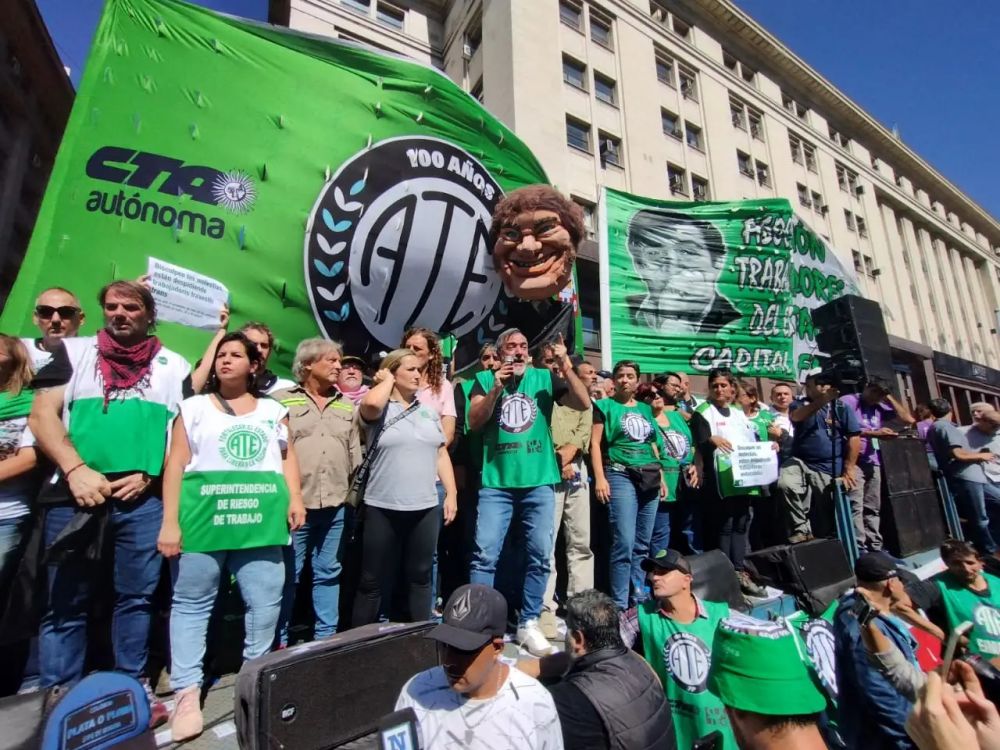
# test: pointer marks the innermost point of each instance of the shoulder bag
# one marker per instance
(356, 494)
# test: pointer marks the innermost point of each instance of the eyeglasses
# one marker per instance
(47, 311)
(542, 230)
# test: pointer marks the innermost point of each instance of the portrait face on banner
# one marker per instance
(679, 260)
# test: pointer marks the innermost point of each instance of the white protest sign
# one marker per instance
(754, 464)
(186, 297)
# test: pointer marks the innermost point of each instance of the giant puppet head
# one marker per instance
(535, 234)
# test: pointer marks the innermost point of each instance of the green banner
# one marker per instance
(692, 286)
(333, 189)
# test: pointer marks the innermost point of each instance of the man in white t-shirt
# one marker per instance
(473, 700)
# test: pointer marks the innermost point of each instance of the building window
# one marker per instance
(730, 62)
(589, 218)
(699, 188)
(390, 15)
(578, 134)
(795, 146)
(611, 150)
(756, 120)
(361, 6)
(605, 90)
(692, 134)
(793, 107)
(748, 74)
(571, 14)
(839, 138)
(849, 220)
(810, 153)
(681, 28)
(803, 195)
(477, 91)
(763, 174)
(671, 125)
(847, 179)
(743, 162)
(856, 257)
(600, 28)
(676, 179)
(664, 68)
(737, 111)
(689, 83)
(817, 201)
(869, 266)
(842, 177)
(862, 227)
(574, 73)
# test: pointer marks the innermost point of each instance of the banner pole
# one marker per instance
(604, 279)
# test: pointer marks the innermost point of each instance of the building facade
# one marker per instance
(35, 99)
(693, 100)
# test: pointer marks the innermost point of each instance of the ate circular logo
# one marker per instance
(242, 446)
(517, 413)
(636, 426)
(988, 619)
(687, 659)
(676, 444)
(820, 646)
(399, 237)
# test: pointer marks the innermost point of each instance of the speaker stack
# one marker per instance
(851, 330)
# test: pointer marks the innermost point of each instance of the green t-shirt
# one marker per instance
(762, 419)
(681, 654)
(962, 604)
(517, 443)
(629, 432)
(676, 451)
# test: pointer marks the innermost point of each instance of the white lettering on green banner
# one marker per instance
(226, 510)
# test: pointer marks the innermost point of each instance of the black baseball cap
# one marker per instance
(353, 360)
(605, 373)
(873, 567)
(474, 615)
(666, 559)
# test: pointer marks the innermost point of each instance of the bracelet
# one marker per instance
(67, 473)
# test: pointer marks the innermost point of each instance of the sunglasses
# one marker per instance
(47, 311)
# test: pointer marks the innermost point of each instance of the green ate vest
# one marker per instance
(676, 450)
(629, 432)
(681, 655)
(961, 604)
(517, 441)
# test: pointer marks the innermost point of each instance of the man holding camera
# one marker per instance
(826, 444)
(873, 407)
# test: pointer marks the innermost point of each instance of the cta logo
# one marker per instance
(138, 170)
(399, 237)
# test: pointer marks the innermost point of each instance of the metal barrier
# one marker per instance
(845, 522)
(951, 517)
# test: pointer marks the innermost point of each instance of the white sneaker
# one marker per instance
(531, 637)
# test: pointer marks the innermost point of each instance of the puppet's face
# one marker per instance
(534, 255)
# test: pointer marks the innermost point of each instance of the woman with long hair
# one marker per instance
(400, 499)
(18, 479)
(230, 496)
(718, 425)
(628, 478)
(437, 392)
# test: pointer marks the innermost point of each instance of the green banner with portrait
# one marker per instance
(692, 286)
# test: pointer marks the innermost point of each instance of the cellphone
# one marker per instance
(949, 652)
(711, 741)
(864, 611)
(508, 360)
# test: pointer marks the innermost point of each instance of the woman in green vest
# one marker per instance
(628, 478)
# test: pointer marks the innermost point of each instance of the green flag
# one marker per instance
(692, 286)
(333, 190)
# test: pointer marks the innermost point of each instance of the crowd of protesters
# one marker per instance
(123, 467)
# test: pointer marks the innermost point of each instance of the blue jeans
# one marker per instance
(536, 509)
(979, 503)
(12, 540)
(261, 577)
(632, 515)
(434, 561)
(320, 537)
(660, 538)
(686, 519)
(134, 527)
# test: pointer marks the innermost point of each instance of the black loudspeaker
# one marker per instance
(815, 572)
(715, 579)
(912, 522)
(912, 516)
(328, 693)
(852, 327)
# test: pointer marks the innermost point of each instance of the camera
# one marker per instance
(845, 372)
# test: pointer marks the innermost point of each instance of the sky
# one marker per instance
(928, 69)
